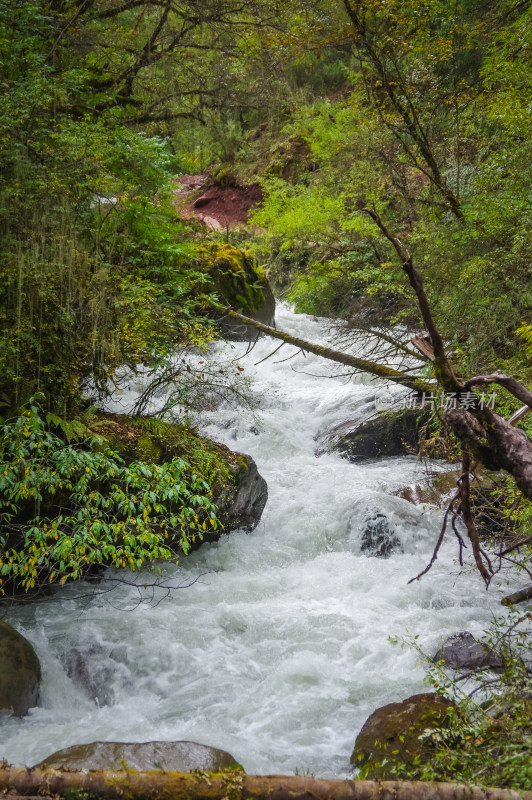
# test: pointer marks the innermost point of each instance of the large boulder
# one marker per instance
(391, 734)
(241, 283)
(390, 433)
(463, 651)
(20, 672)
(143, 756)
(238, 490)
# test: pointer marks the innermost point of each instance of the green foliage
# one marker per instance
(66, 509)
(94, 266)
(433, 129)
(155, 440)
(487, 740)
(235, 275)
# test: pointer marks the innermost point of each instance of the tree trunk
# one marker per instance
(372, 367)
(159, 785)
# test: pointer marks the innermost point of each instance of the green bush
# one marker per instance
(67, 508)
(488, 739)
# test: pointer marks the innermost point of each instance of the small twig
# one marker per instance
(269, 355)
(439, 542)
(282, 360)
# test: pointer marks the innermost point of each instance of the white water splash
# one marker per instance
(280, 651)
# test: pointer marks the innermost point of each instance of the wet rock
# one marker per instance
(378, 536)
(91, 670)
(389, 434)
(241, 503)
(382, 525)
(391, 733)
(264, 313)
(20, 672)
(463, 651)
(172, 756)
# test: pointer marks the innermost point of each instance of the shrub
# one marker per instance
(69, 507)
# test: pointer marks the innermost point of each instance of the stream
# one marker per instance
(280, 650)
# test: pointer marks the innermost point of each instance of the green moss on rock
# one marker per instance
(143, 756)
(390, 736)
(237, 489)
(236, 275)
(240, 283)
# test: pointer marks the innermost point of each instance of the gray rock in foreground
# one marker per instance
(462, 651)
(20, 672)
(142, 756)
(247, 503)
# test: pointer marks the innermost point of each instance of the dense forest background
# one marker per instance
(421, 109)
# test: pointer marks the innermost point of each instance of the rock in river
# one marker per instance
(390, 433)
(142, 756)
(391, 733)
(378, 535)
(462, 651)
(20, 672)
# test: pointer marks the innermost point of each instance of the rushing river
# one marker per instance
(280, 651)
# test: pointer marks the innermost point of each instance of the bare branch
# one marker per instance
(510, 384)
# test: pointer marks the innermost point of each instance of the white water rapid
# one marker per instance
(280, 651)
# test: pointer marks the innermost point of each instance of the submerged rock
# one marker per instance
(391, 734)
(378, 536)
(20, 672)
(388, 434)
(382, 525)
(463, 651)
(91, 670)
(142, 756)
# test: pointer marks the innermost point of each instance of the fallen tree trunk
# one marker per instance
(517, 597)
(361, 364)
(159, 785)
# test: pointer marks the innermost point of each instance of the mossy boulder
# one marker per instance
(20, 672)
(223, 175)
(237, 488)
(142, 756)
(390, 736)
(240, 283)
(390, 433)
